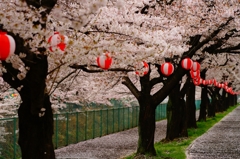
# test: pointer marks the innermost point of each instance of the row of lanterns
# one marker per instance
(8, 45)
(194, 68)
(59, 41)
(105, 61)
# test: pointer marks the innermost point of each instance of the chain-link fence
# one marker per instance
(73, 127)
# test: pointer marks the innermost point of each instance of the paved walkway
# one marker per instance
(222, 141)
(113, 146)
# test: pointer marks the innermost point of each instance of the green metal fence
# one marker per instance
(74, 127)
(9, 148)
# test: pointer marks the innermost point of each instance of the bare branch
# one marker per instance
(59, 82)
(85, 69)
(233, 49)
(156, 81)
(128, 83)
(56, 68)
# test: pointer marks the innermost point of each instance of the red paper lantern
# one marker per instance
(57, 41)
(229, 90)
(142, 68)
(225, 87)
(195, 66)
(210, 82)
(187, 63)
(214, 82)
(226, 83)
(204, 82)
(104, 61)
(195, 74)
(7, 45)
(222, 85)
(196, 82)
(167, 68)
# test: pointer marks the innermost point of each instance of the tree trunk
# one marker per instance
(213, 104)
(231, 100)
(35, 114)
(235, 99)
(146, 128)
(184, 118)
(175, 115)
(225, 100)
(219, 103)
(203, 105)
(35, 133)
(191, 106)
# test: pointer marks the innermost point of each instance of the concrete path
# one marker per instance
(222, 141)
(113, 146)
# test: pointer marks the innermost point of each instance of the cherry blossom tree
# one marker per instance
(33, 67)
(132, 31)
(206, 23)
(222, 68)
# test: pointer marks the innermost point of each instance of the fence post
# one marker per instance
(67, 130)
(136, 115)
(123, 119)
(56, 132)
(118, 117)
(101, 124)
(86, 117)
(113, 121)
(161, 110)
(128, 118)
(132, 116)
(14, 137)
(107, 121)
(77, 138)
(93, 124)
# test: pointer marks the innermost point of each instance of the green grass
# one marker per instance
(176, 149)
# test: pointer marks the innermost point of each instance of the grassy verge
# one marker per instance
(176, 149)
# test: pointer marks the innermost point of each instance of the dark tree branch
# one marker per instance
(48, 4)
(59, 82)
(144, 10)
(156, 81)
(232, 49)
(56, 68)
(213, 48)
(160, 95)
(234, 52)
(101, 31)
(167, 2)
(11, 76)
(128, 83)
(85, 69)
(225, 63)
